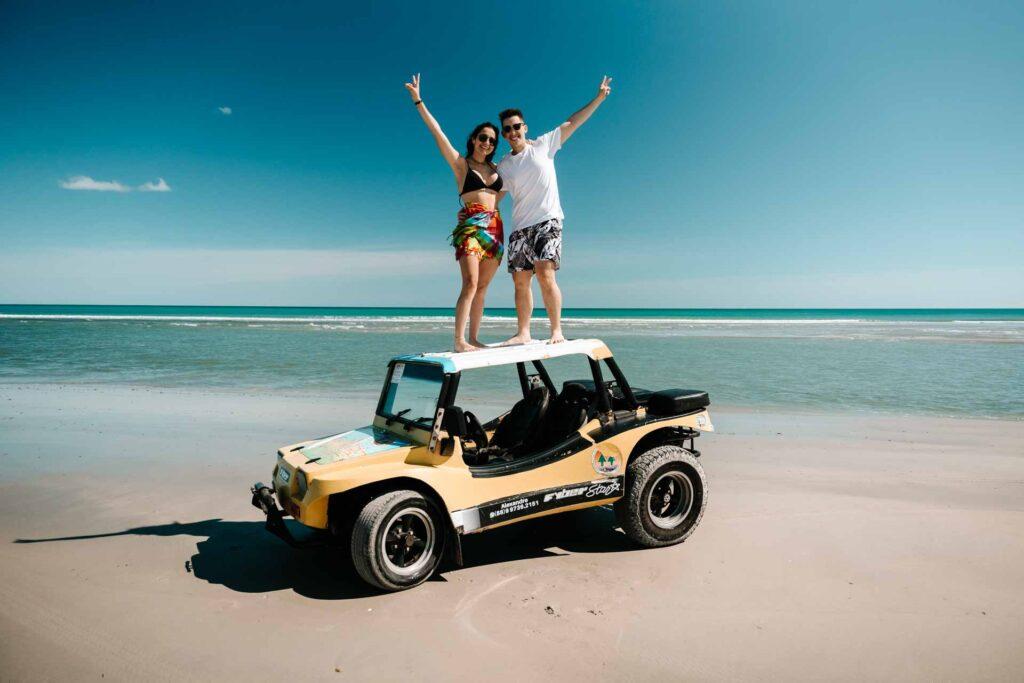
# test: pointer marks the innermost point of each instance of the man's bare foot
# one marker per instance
(556, 337)
(518, 339)
(461, 346)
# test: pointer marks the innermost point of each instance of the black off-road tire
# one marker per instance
(670, 468)
(369, 553)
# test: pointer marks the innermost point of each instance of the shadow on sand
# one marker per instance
(244, 557)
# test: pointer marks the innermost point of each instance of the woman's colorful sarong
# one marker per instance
(479, 232)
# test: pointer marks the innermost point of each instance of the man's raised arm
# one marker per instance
(577, 119)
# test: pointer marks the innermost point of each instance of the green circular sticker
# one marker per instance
(604, 464)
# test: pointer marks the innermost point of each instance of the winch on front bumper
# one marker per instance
(263, 499)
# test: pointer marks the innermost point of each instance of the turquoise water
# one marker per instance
(929, 361)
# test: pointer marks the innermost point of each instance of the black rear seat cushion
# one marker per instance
(677, 401)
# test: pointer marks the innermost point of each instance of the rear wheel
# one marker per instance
(666, 493)
(397, 540)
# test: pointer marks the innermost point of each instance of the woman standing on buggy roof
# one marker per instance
(478, 238)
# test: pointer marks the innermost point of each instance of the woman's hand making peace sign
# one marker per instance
(414, 88)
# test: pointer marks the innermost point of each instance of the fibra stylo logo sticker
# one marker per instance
(604, 464)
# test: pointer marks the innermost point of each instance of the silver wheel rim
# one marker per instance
(670, 500)
(407, 545)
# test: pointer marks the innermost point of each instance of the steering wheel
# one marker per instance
(475, 430)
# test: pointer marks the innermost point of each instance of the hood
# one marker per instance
(356, 443)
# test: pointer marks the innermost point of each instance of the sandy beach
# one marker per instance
(227, 230)
(835, 547)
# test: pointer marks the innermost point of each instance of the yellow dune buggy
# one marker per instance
(401, 491)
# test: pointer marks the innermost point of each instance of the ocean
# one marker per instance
(967, 362)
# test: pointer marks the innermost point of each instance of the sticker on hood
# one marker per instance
(358, 442)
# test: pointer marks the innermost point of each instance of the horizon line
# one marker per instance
(565, 308)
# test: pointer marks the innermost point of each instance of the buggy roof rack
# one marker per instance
(505, 355)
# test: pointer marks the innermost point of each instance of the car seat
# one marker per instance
(566, 414)
(521, 422)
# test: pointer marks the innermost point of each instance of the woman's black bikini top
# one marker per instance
(474, 181)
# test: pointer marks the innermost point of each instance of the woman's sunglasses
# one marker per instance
(516, 126)
(483, 137)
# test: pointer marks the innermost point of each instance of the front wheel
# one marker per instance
(397, 540)
(666, 493)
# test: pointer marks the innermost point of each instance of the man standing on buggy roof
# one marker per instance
(535, 245)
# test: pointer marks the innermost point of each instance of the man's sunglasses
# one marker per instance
(483, 137)
(509, 128)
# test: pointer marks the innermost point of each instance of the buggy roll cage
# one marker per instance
(603, 397)
(450, 387)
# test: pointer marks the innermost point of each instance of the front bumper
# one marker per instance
(263, 499)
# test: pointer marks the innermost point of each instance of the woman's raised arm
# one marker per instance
(447, 151)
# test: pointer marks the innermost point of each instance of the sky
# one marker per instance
(751, 154)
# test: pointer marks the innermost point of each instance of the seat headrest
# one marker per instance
(573, 392)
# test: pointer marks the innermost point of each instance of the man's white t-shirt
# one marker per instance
(530, 178)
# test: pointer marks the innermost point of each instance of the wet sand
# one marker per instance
(837, 547)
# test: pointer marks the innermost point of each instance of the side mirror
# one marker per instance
(454, 422)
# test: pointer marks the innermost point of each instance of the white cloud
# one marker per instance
(224, 110)
(84, 182)
(159, 186)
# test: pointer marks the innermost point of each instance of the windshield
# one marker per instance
(412, 393)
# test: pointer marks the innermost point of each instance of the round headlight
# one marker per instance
(300, 484)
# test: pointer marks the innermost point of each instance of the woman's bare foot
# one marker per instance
(518, 339)
(556, 337)
(461, 346)
(477, 343)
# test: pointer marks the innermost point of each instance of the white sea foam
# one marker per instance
(849, 329)
(591, 320)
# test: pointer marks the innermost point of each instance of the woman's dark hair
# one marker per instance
(472, 137)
